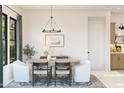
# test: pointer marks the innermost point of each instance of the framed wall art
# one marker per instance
(54, 40)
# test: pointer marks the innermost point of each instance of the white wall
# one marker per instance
(8, 69)
(74, 28)
(74, 25)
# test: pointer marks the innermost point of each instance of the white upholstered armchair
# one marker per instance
(20, 71)
(82, 72)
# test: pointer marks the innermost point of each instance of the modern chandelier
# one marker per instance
(51, 25)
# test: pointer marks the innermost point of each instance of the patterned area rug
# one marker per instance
(95, 83)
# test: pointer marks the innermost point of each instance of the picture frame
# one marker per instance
(54, 40)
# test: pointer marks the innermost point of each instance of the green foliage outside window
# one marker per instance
(12, 40)
(4, 39)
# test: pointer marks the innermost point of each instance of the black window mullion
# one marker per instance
(13, 49)
(19, 36)
(1, 63)
(4, 40)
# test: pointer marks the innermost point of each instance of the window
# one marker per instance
(4, 39)
(12, 39)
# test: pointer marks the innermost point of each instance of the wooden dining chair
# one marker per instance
(43, 57)
(63, 72)
(62, 57)
(42, 71)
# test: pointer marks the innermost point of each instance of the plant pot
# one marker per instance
(29, 61)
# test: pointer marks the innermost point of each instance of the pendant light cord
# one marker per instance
(51, 17)
(51, 11)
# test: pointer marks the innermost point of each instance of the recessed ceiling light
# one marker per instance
(118, 8)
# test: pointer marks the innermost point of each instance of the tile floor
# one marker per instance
(112, 79)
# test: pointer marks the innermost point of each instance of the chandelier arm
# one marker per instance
(56, 23)
(51, 22)
(47, 23)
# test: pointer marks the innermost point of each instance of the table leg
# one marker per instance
(72, 74)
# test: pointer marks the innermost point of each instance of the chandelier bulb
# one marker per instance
(53, 28)
(43, 28)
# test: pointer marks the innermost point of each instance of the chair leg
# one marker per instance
(89, 83)
(55, 79)
(69, 79)
(33, 80)
(47, 81)
(50, 74)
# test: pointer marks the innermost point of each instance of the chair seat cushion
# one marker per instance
(40, 72)
(62, 67)
(62, 72)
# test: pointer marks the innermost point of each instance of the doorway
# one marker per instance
(96, 42)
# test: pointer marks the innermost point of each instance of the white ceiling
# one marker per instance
(114, 8)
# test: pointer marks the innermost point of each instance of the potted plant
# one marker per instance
(29, 51)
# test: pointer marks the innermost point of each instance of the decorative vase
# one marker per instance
(48, 57)
(29, 61)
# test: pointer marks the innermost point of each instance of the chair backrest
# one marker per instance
(57, 57)
(62, 57)
(87, 64)
(43, 57)
(62, 65)
(86, 61)
(20, 63)
(40, 66)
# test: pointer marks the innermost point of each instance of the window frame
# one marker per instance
(6, 39)
(15, 37)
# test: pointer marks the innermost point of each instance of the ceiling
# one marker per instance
(114, 8)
